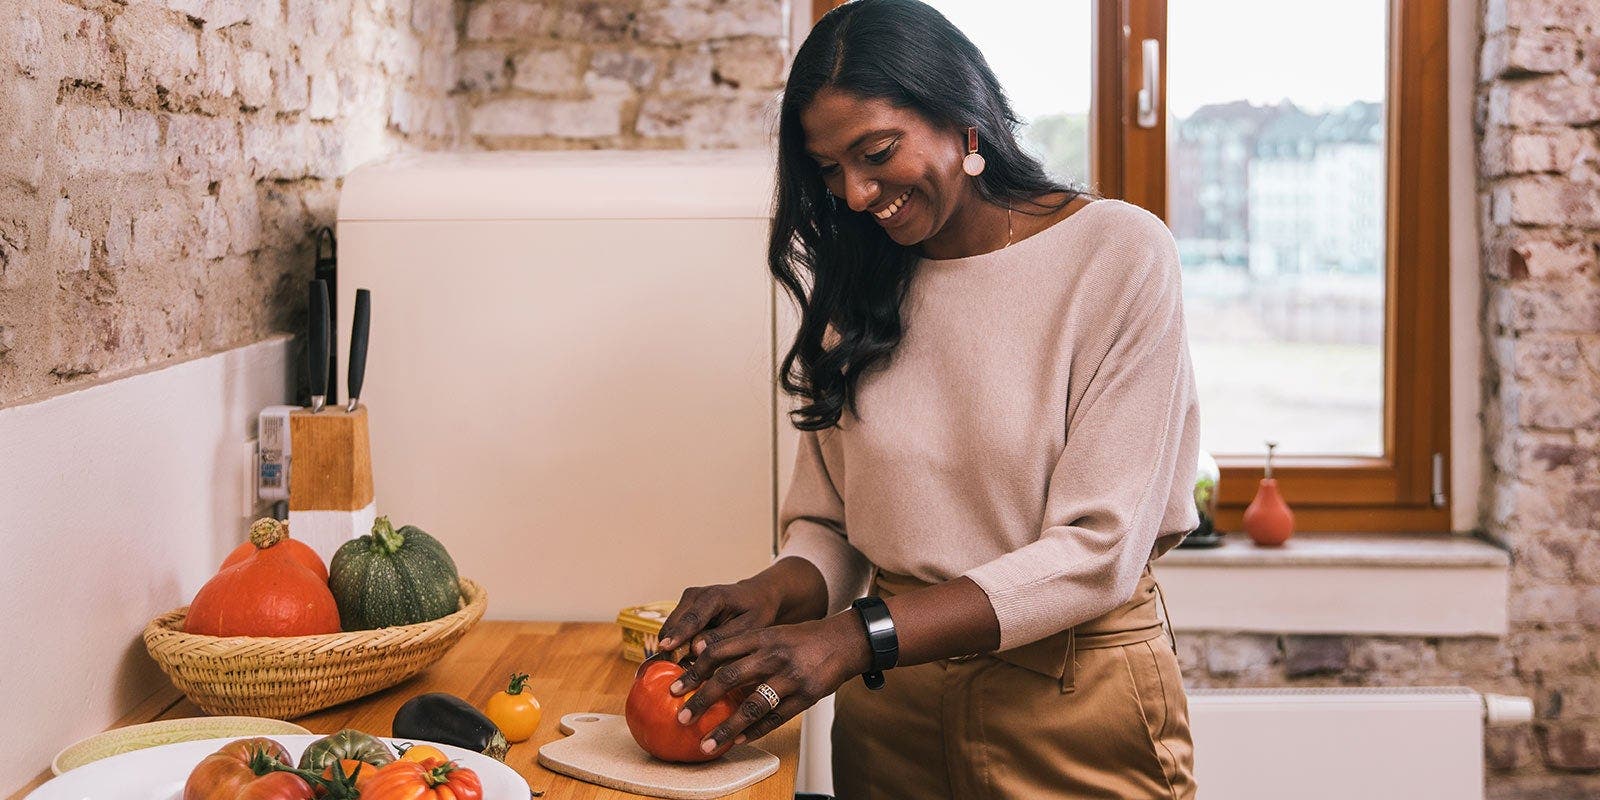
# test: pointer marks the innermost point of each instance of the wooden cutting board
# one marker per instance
(599, 749)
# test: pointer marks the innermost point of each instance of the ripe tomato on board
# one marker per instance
(230, 774)
(652, 715)
(429, 780)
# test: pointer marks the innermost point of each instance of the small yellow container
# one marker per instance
(640, 625)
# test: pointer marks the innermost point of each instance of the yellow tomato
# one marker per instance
(515, 711)
(422, 752)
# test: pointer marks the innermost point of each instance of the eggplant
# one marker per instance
(447, 719)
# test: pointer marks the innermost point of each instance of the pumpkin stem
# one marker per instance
(518, 681)
(385, 539)
(266, 532)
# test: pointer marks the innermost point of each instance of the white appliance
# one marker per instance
(569, 376)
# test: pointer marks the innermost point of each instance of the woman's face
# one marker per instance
(888, 162)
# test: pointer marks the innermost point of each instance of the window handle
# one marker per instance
(1150, 92)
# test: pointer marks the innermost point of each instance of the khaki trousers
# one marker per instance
(1097, 711)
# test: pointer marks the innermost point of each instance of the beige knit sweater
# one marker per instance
(1036, 430)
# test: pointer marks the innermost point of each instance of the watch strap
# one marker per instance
(881, 638)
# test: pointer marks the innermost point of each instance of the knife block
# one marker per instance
(330, 478)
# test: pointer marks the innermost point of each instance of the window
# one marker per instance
(1297, 152)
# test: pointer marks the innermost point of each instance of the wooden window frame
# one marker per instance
(1405, 489)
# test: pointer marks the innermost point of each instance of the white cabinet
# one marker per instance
(569, 379)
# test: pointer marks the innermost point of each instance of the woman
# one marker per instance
(999, 433)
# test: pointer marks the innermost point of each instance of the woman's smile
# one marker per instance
(890, 214)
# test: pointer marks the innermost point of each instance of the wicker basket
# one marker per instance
(291, 676)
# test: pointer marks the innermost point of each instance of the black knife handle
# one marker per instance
(319, 339)
(359, 323)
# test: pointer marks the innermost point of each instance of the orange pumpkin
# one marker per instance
(269, 593)
(301, 551)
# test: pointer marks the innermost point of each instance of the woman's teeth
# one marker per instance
(894, 208)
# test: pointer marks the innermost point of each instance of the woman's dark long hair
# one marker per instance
(841, 268)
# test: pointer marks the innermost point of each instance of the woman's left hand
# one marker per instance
(801, 663)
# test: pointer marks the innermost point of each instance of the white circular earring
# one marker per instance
(973, 164)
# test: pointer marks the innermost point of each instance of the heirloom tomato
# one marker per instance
(276, 786)
(652, 715)
(246, 769)
(348, 744)
(429, 780)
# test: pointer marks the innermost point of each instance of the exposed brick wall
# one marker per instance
(162, 166)
(1538, 116)
(621, 73)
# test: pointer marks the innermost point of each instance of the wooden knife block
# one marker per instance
(330, 478)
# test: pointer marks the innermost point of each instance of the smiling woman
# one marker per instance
(996, 393)
(872, 130)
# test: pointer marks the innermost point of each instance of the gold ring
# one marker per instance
(768, 695)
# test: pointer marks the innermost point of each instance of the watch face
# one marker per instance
(873, 680)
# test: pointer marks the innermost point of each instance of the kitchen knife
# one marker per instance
(359, 323)
(326, 269)
(318, 345)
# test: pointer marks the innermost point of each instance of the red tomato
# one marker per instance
(276, 786)
(429, 780)
(652, 715)
(228, 775)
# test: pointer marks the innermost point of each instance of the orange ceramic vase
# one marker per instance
(1268, 520)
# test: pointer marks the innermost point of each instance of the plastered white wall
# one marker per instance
(116, 503)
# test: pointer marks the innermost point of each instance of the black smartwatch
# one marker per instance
(881, 638)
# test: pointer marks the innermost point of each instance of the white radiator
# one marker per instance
(1368, 743)
(1307, 744)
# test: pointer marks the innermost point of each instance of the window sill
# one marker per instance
(1405, 584)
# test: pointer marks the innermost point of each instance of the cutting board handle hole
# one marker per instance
(586, 719)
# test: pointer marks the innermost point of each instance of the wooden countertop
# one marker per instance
(575, 666)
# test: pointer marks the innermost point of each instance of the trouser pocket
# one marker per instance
(1163, 707)
(1097, 741)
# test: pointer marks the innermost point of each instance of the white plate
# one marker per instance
(158, 773)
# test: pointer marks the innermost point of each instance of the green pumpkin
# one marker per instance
(346, 744)
(392, 577)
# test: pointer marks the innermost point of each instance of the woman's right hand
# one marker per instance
(706, 614)
(791, 590)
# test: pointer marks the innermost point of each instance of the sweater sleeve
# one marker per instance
(1125, 478)
(812, 525)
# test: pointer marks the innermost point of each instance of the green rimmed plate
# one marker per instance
(166, 731)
